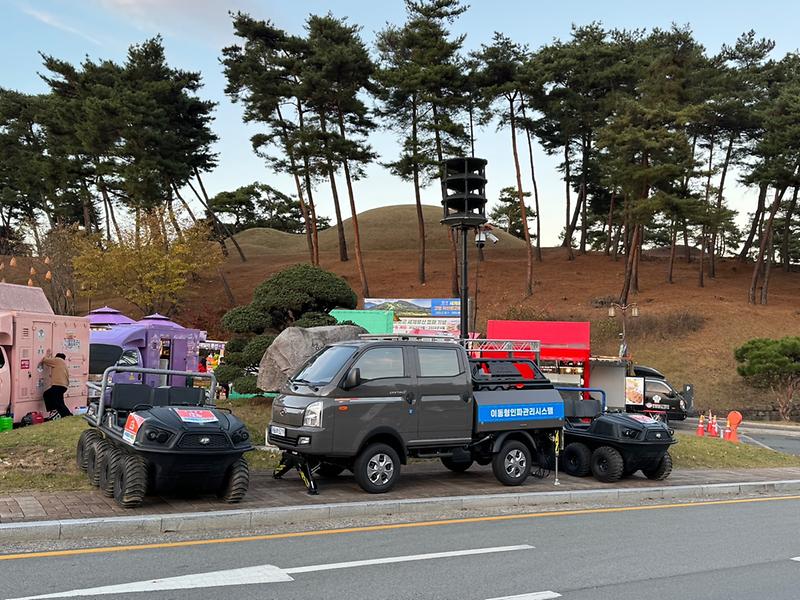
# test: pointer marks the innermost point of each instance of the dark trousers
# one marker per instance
(54, 400)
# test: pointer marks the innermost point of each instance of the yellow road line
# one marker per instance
(297, 534)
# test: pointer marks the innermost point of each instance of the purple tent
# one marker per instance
(108, 316)
(160, 321)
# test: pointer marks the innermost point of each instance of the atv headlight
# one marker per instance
(313, 415)
(240, 436)
(157, 435)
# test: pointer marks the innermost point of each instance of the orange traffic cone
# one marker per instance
(701, 430)
(727, 433)
(714, 430)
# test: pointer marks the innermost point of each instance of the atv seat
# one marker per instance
(186, 396)
(161, 396)
(127, 396)
(579, 408)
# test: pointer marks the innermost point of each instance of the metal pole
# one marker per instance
(464, 286)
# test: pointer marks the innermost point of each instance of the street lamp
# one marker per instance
(623, 308)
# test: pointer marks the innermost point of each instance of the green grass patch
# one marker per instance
(692, 452)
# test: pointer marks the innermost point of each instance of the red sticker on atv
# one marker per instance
(195, 416)
(132, 425)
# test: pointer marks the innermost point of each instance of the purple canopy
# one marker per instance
(108, 316)
(157, 319)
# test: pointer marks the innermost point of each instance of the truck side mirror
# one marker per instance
(353, 378)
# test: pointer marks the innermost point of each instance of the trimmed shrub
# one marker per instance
(227, 373)
(236, 345)
(235, 359)
(246, 319)
(255, 349)
(314, 319)
(246, 384)
(301, 289)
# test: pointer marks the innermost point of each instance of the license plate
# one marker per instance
(279, 431)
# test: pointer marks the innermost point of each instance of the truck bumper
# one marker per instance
(305, 440)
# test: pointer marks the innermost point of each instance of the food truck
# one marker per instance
(29, 332)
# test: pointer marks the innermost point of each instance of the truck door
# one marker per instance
(5, 382)
(384, 399)
(42, 343)
(445, 398)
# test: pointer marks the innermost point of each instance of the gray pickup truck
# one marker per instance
(369, 406)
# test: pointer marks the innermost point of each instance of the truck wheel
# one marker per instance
(236, 482)
(577, 459)
(88, 437)
(512, 464)
(456, 466)
(330, 470)
(95, 456)
(130, 482)
(108, 470)
(607, 464)
(661, 469)
(377, 468)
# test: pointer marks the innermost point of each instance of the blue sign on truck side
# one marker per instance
(499, 413)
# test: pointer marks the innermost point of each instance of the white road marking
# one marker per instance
(399, 559)
(796, 558)
(756, 442)
(263, 574)
(548, 595)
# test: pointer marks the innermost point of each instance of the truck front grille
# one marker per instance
(289, 440)
(195, 441)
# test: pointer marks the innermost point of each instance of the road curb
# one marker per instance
(288, 515)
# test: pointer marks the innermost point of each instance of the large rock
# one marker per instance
(293, 347)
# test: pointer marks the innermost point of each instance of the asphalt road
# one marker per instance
(785, 440)
(730, 550)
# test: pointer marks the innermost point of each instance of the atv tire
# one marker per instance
(330, 470)
(130, 482)
(377, 468)
(236, 483)
(512, 465)
(577, 459)
(661, 469)
(88, 437)
(95, 456)
(108, 470)
(607, 464)
(456, 466)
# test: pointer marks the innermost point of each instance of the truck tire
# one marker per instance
(108, 470)
(512, 465)
(456, 466)
(577, 459)
(237, 480)
(95, 456)
(661, 469)
(607, 464)
(130, 483)
(330, 470)
(88, 437)
(377, 468)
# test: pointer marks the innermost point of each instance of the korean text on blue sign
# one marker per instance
(499, 413)
(445, 307)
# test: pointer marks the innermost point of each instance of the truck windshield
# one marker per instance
(321, 368)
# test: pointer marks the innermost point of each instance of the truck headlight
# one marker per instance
(683, 405)
(313, 415)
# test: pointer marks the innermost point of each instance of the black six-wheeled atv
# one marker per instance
(613, 445)
(143, 439)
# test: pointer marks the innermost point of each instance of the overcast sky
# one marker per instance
(194, 31)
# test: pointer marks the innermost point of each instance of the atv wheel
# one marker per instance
(88, 437)
(607, 464)
(512, 465)
(236, 483)
(330, 470)
(577, 459)
(130, 482)
(377, 468)
(456, 466)
(95, 455)
(661, 469)
(108, 470)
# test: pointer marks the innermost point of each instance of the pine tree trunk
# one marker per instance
(768, 266)
(712, 267)
(362, 274)
(672, 247)
(637, 253)
(535, 191)
(184, 203)
(701, 271)
(615, 243)
(309, 189)
(334, 192)
(173, 219)
(757, 216)
(629, 264)
(584, 201)
(686, 247)
(207, 204)
(521, 197)
(609, 226)
(762, 248)
(787, 230)
(417, 197)
(567, 243)
(454, 288)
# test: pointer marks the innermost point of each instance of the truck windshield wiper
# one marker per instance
(304, 382)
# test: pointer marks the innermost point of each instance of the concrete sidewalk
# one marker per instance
(417, 481)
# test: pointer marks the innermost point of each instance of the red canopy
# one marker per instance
(560, 340)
